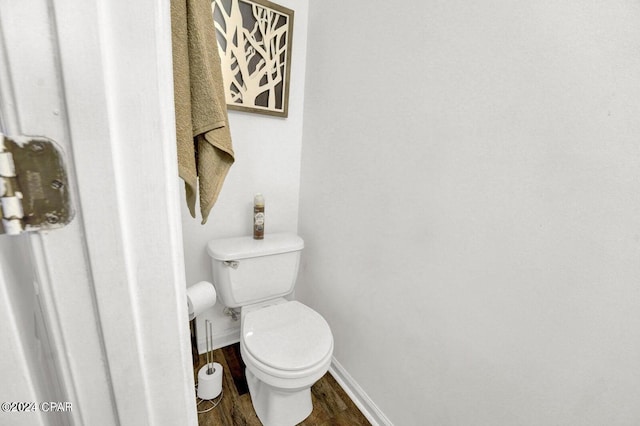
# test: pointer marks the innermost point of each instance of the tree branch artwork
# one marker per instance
(254, 40)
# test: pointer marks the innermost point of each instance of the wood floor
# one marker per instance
(331, 405)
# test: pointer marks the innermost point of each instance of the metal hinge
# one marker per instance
(34, 190)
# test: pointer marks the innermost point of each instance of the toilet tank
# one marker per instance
(247, 271)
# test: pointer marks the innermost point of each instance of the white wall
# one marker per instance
(469, 203)
(268, 153)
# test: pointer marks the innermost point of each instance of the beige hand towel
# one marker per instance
(205, 152)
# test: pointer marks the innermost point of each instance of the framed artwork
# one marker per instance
(254, 41)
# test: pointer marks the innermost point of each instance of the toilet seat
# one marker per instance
(287, 339)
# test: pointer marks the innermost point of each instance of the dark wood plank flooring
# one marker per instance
(331, 405)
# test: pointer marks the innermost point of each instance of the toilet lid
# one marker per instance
(287, 336)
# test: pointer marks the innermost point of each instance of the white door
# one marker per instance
(94, 313)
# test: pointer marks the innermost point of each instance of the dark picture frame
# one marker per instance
(255, 41)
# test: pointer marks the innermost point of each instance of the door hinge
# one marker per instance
(34, 186)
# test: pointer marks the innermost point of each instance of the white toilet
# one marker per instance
(285, 345)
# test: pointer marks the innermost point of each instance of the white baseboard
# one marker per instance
(220, 340)
(369, 409)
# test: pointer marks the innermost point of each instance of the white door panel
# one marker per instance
(106, 293)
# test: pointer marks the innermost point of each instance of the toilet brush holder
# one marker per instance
(210, 381)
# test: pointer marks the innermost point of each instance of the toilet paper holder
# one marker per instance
(210, 375)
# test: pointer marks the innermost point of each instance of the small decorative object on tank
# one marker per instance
(258, 217)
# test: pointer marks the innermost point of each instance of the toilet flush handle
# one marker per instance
(232, 263)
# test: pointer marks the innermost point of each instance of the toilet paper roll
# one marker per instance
(200, 296)
(210, 385)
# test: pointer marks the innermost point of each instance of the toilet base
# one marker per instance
(278, 407)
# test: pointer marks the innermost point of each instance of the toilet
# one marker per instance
(286, 345)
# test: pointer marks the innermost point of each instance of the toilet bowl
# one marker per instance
(285, 345)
